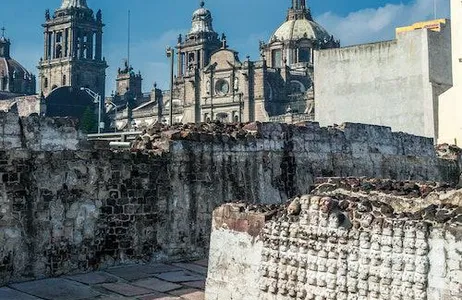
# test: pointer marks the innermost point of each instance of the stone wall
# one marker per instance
(65, 206)
(23, 105)
(350, 239)
(80, 210)
(392, 83)
(40, 134)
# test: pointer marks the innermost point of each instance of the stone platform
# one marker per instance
(177, 281)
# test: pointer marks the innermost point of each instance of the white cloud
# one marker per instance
(376, 24)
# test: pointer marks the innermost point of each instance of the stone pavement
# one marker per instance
(177, 281)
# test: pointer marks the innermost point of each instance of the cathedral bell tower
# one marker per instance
(195, 50)
(73, 43)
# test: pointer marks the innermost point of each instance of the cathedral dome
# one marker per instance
(13, 69)
(293, 30)
(14, 78)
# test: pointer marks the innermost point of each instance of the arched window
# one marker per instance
(304, 55)
(59, 51)
(54, 87)
(64, 80)
(297, 87)
(277, 58)
(191, 57)
(45, 83)
(223, 117)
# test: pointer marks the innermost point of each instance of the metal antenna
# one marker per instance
(128, 44)
(3, 31)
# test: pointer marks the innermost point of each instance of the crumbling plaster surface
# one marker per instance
(244, 252)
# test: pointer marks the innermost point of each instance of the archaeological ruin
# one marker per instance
(69, 205)
(349, 238)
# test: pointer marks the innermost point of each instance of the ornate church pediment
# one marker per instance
(225, 58)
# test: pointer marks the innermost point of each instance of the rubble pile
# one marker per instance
(447, 151)
(156, 137)
(361, 211)
(407, 189)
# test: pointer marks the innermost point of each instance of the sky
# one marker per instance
(155, 24)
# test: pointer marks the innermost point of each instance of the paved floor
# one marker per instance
(185, 281)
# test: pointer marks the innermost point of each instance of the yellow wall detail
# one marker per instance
(434, 25)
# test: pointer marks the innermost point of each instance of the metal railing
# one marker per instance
(115, 136)
(292, 118)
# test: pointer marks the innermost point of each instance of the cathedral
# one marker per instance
(213, 83)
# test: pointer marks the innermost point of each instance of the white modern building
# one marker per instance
(393, 83)
(450, 108)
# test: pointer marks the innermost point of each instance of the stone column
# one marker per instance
(53, 45)
(200, 57)
(45, 50)
(180, 63)
(64, 43)
(89, 45)
(72, 47)
(81, 44)
(99, 45)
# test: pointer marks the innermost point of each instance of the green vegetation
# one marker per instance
(88, 121)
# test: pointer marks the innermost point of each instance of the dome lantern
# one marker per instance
(4, 45)
(67, 4)
(202, 20)
(294, 42)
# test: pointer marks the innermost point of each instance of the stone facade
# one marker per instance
(450, 103)
(350, 239)
(67, 205)
(213, 83)
(392, 83)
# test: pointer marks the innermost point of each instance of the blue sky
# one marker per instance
(156, 24)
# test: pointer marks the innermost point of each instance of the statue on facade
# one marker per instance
(99, 15)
